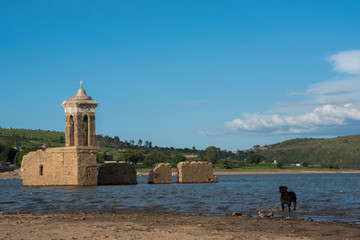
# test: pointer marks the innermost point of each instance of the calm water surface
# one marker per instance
(320, 196)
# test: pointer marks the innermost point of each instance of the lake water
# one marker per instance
(320, 196)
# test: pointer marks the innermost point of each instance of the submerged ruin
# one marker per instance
(74, 164)
(196, 172)
(160, 174)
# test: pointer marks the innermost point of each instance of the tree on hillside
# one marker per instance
(19, 156)
(134, 158)
(178, 158)
(280, 164)
(156, 156)
(255, 159)
(14, 140)
(225, 164)
(61, 139)
(212, 154)
(7, 154)
(100, 157)
(116, 140)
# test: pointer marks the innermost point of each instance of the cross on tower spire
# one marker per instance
(81, 82)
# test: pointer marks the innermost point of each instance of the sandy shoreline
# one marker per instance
(167, 226)
(172, 226)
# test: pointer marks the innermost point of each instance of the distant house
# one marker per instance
(275, 162)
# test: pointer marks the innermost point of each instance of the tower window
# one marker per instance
(86, 130)
(41, 170)
(71, 131)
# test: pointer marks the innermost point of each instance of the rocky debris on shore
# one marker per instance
(14, 174)
(166, 226)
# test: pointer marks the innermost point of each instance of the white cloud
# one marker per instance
(206, 133)
(331, 104)
(327, 115)
(346, 62)
(338, 91)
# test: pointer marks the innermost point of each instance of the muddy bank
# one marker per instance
(14, 174)
(167, 226)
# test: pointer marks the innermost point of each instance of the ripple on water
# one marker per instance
(332, 197)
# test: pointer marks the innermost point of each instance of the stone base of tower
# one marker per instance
(66, 166)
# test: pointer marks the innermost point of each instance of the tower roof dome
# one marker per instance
(81, 94)
(80, 98)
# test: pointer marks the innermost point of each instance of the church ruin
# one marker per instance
(74, 164)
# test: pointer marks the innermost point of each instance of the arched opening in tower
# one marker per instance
(41, 170)
(71, 131)
(86, 130)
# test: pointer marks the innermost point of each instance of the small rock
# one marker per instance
(237, 213)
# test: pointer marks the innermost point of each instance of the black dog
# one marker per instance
(287, 197)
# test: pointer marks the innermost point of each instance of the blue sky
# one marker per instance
(232, 74)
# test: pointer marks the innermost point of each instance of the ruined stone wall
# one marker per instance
(116, 174)
(87, 165)
(196, 172)
(60, 167)
(160, 174)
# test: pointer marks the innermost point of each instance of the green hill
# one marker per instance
(340, 151)
(331, 152)
(14, 143)
(31, 139)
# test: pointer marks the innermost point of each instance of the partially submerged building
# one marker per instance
(117, 174)
(74, 164)
(196, 172)
(160, 174)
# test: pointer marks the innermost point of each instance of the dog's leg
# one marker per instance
(289, 206)
(282, 206)
(294, 205)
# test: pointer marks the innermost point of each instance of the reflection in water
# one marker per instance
(320, 196)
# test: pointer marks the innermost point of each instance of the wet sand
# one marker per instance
(167, 226)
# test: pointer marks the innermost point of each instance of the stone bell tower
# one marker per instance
(74, 164)
(80, 119)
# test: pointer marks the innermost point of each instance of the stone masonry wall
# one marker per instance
(117, 174)
(60, 167)
(160, 174)
(196, 172)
